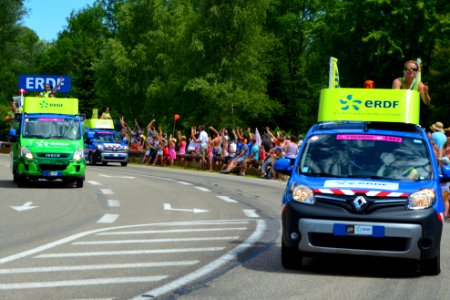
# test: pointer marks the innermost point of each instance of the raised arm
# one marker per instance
(58, 85)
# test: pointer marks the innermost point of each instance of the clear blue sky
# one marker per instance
(49, 17)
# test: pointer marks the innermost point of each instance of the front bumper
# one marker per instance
(51, 169)
(110, 156)
(392, 232)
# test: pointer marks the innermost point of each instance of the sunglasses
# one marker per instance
(410, 69)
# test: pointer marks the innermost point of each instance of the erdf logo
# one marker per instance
(370, 104)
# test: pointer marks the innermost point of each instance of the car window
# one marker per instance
(366, 156)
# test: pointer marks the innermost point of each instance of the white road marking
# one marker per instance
(129, 252)
(108, 218)
(94, 182)
(171, 231)
(99, 267)
(113, 203)
(106, 191)
(173, 240)
(25, 206)
(80, 235)
(111, 176)
(227, 199)
(251, 213)
(184, 183)
(98, 281)
(255, 237)
(167, 206)
(202, 189)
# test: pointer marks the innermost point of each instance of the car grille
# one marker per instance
(52, 155)
(371, 204)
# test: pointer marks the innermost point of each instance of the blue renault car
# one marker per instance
(365, 182)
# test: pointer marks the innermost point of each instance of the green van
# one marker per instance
(47, 142)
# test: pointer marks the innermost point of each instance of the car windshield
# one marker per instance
(366, 156)
(52, 128)
(107, 137)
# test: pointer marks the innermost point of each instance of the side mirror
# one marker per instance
(445, 174)
(89, 137)
(283, 165)
(12, 135)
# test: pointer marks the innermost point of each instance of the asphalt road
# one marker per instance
(141, 232)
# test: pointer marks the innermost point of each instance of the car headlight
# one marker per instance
(125, 148)
(99, 147)
(422, 199)
(302, 194)
(26, 153)
(78, 155)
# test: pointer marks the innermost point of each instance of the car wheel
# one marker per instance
(91, 160)
(123, 164)
(291, 259)
(431, 266)
(104, 163)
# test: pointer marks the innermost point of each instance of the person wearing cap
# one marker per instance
(438, 137)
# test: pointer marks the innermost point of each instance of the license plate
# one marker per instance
(52, 173)
(359, 230)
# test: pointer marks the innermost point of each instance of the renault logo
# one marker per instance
(359, 203)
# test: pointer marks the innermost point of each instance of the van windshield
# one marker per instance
(51, 128)
(366, 156)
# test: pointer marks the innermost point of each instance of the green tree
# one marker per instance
(231, 50)
(11, 12)
(75, 51)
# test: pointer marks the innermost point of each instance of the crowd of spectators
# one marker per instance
(234, 151)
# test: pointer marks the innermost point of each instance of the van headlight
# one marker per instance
(422, 199)
(78, 155)
(24, 152)
(302, 194)
(99, 147)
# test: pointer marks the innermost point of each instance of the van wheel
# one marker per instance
(431, 266)
(104, 163)
(79, 183)
(21, 181)
(123, 164)
(291, 259)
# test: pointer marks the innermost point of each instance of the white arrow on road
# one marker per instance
(25, 206)
(167, 206)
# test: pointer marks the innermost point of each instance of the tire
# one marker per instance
(92, 160)
(431, 266)
(291, 259)
(104, 163)
(124, 164)
(21, 181)
(79, 183)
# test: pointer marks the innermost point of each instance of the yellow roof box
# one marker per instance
(100, 123)
(65, 106)
(375, 105)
